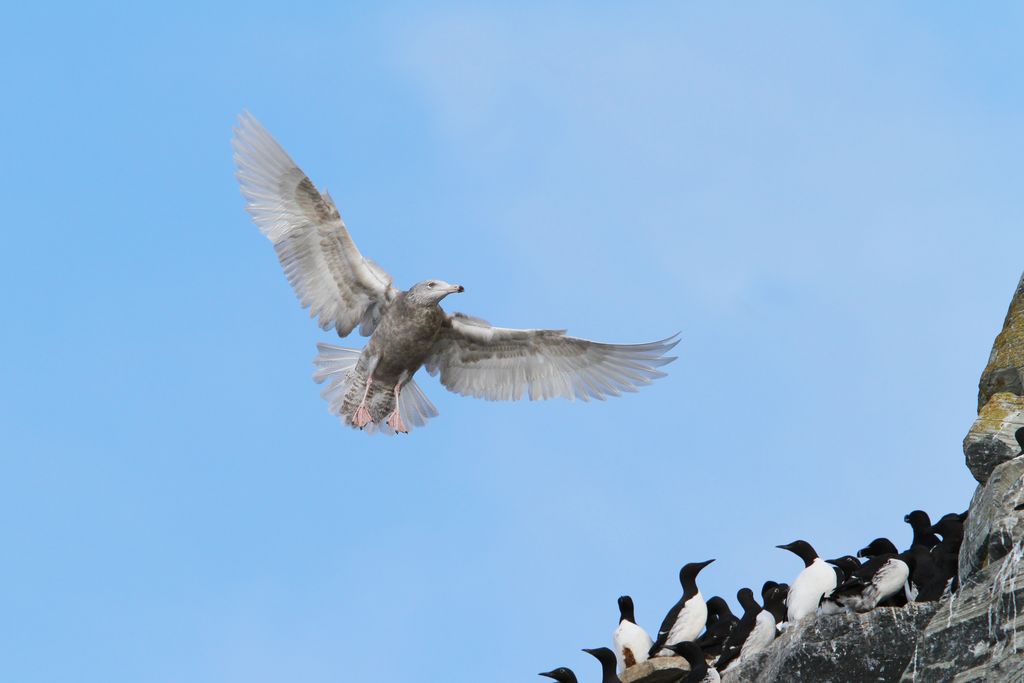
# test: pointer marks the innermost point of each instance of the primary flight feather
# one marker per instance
(373, 388)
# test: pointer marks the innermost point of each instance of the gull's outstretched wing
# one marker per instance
(322, 263)
(501, 364)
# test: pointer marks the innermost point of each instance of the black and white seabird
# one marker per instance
(922, 526)
(700, 672)
(773, 597)
(755, 630)
(720, 623)
(881, 578)
(946, 555)
(632, 644)
(607, 659)
(844, 567)
(686, 618)
(818, 578)
(927, 581)
(1019, 435)
(561, 674)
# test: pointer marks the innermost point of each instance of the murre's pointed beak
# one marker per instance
(549, 674)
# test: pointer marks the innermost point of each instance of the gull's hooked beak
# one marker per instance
(456, 289)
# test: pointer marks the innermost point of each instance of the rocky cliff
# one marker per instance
(975, 634)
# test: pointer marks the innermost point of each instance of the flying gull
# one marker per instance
(373, 388)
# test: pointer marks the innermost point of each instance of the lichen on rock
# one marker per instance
(991, 440)
(1005, 369)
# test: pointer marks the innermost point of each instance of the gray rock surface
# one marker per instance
(994, 526)
(991, 439)
(976, 634)
(876, 646)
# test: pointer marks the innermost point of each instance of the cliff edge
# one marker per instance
(974, 634)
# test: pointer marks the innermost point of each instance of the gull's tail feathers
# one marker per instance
(346, 388)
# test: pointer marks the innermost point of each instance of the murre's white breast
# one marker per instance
(807, 589)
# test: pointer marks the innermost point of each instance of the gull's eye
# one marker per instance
(430, 284)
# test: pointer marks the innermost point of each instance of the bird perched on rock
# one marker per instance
(881, 547)
(922, 526)
(374, 389)
(1019, 435)
(686, 618)
(817, 579)
(755, 630)
(607, 659)
(946, 555)
(631, 641)
(773, 597)
(880, 578)
(720, 623)
(927, 581)
(561, 674)
(844, 566)
(699, 670)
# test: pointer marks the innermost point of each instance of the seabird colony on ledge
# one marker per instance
(881, 577)
(373, 389)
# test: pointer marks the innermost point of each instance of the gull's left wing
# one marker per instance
(501, 364)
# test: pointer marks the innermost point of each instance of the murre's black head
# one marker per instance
(879, 546)
(768, 585)
(1019, 435)
(626, 609)
(922, 526)
(607, 659)
(561, 674)
(918, 519)
(688, 576)
(776, 596)
(718, 608)
(801, 549)
(747, 601)
(848, 563)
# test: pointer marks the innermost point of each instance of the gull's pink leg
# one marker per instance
(362, 416)
(395, 421)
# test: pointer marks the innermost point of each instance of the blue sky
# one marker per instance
(825, 201)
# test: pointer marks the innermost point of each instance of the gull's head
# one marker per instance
(432, 291)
